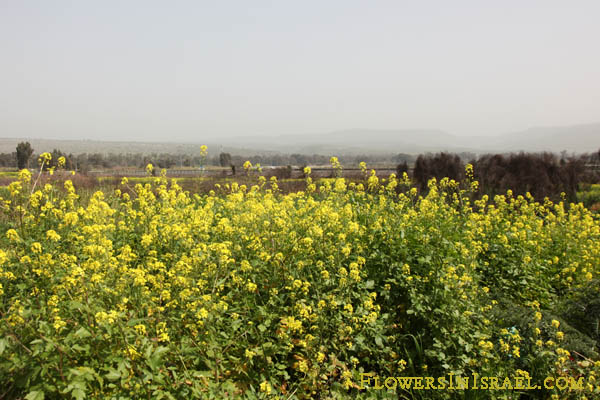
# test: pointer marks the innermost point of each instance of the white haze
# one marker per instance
(196, 70)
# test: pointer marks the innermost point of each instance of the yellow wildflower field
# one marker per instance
(153, 292)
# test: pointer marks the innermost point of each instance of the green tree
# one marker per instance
(24, 152)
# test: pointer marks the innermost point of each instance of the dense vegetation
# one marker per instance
(151, 292)
(542, 175)
(590, 196)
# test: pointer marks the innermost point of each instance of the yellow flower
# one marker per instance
(52, 235)
(140, 329)
(402, 365)
(251, 286)
(44, 158)
(265, 387)
(516, 352)
(59, 324)
(406, 269)
(12, 235)
(163, 335)
(486, 345)
(36, 247)
(469, 170)
(146, 240)
(589, 276)
(320, 357)
(202, 313)
(302, 366)
(347, 379)
(25, 175)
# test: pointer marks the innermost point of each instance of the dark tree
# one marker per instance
(401, 169)
(225, 159)
(542, 175)
(437, 166)
(24, 152)
(56, 154)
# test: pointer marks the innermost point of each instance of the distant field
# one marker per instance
(589, 195)
(197, 181)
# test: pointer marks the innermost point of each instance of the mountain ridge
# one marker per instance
(578, 138)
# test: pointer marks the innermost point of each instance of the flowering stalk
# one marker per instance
(44, 157)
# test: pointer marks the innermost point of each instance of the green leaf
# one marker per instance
(78, 347)
(75, 305)
(160, 351)
(35, 395)
(155, 360)
(78, 394)
(113, 375)
(82, 333)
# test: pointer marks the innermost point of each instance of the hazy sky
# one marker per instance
(186, 70)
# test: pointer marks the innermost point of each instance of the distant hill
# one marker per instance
(355, 141)
(575, 138)
(583, 138)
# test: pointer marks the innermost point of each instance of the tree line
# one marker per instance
(25, 157)
(540, 174)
